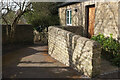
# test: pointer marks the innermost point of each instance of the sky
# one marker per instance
(63, 0)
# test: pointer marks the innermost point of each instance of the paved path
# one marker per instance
(34, 62)
(108, 71)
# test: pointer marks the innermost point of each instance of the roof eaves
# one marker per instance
(69, 2)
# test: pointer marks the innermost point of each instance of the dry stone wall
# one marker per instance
(74, 29)
(75, 51)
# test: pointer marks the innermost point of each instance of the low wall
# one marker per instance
(23, 35)
(75, 51)
(74, 29)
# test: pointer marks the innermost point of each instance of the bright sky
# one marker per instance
(62, 0)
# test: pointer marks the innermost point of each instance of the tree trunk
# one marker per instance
(7, 26)
(12, 33)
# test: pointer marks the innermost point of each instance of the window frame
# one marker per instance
(69, 17)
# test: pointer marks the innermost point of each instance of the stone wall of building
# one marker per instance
(119, 20)
(75, 51)
(23, 35)
(106, 17)
(106, 20)
(79, 17)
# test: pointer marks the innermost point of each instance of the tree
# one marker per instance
(20, 8)
(44, 14)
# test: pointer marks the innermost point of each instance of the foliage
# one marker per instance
(10, 18)
(43, 14)
(11, 13)
(110, 48)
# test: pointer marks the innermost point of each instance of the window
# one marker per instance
(69, 17)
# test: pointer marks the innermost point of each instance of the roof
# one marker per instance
(69, 2)
(66, 3)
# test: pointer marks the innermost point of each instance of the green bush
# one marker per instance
(110, 48)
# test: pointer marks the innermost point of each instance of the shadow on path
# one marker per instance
(34, 62)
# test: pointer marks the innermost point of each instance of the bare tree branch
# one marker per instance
(5, 20)
(16, 3)
(20, 7)
(23, 4)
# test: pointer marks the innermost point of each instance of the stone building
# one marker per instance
(92, 16)
(79, 20)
